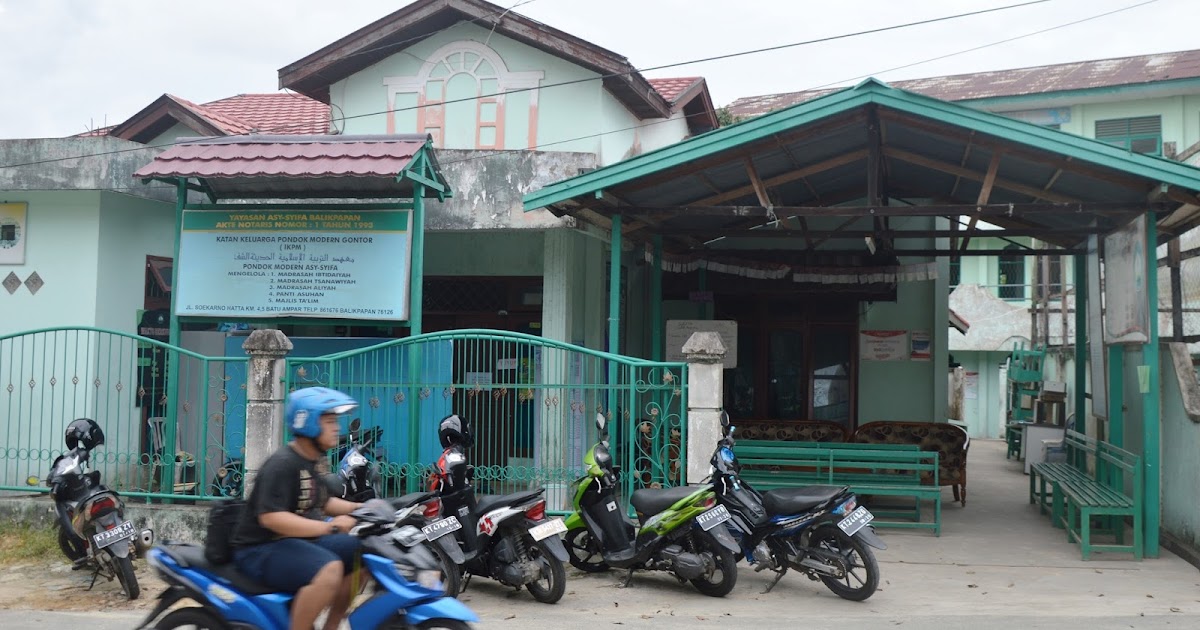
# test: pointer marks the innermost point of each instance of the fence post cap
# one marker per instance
(704, 347)
(267, 341)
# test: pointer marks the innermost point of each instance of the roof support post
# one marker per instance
(875, 196)
(167, 474)
(614, 311)
(1175, 260)
(656, 320)
(416, 297)
(1116, 396)
(1081, 345)
(1150, 399)
(985, 193)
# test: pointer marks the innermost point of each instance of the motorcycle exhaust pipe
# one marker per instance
(143, 542)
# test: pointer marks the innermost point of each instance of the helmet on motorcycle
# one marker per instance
(84, 431)
(454, 430)
(306, 406)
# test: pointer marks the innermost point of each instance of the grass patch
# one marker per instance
(20, 542)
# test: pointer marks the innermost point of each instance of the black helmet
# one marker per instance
(454, 430)
(84, 431)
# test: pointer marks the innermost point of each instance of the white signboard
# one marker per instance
(312, 264)
(971, 385)
(680, 330)
(1127, 315)
(883, 345)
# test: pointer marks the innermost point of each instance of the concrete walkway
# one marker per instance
(998, 564)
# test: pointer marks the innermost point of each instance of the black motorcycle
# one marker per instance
(504, 537)
(820, 531)
(92, 530)
(357, 478)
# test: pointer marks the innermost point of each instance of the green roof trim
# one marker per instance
(867, 92)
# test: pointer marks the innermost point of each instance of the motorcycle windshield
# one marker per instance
(63, 466)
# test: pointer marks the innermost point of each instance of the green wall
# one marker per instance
(130, 229)
(484, 253)
(983, 414)
(62, 249)
(1180, 466)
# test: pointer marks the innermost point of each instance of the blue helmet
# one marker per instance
(305, 407)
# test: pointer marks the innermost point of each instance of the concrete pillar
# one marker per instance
(704, 354)
(264, 398)
(558, 284)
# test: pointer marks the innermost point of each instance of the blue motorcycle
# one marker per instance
(820, 531)
(408, 593)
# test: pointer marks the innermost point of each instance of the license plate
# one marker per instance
(713, 517)
(118, 533)
(548, 529)
(437, 529)
(856, 521)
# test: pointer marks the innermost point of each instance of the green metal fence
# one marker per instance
(532, 403)
(164, 438)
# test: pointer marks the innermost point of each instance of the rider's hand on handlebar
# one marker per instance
(344, 523)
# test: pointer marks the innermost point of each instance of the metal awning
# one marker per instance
(302, 167)
(830, 173)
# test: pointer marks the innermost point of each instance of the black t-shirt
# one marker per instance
(287, 482)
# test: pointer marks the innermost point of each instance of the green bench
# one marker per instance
(868, 469)
(1077, 499)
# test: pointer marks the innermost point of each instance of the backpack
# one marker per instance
(223, 521)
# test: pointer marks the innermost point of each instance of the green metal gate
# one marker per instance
(532, 403)
(164, 438)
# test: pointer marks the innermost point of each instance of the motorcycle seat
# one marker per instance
(192, 556)
(785, 501)
(650, 501)
(406, 500)
(489, 502)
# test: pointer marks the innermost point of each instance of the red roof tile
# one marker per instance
(672, 88)
(280, 113)
(1081, 75)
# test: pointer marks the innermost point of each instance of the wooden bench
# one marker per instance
(1112, 492)
(868, 469)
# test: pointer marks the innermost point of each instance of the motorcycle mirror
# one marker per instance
(600, 421)
(32, 480)
(355, 425)
(724, 419)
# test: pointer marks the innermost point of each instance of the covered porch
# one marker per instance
(813, 226)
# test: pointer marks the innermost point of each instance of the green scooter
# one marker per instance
(681, 530)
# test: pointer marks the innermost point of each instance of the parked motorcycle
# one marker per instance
(357, 479)
(407, 595)
(92, 530)
(818, 530)
(681, 529)
(504, 537)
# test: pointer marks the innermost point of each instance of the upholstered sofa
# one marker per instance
(792, 431)
(950, 442)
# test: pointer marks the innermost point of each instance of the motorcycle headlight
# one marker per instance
(430, 579)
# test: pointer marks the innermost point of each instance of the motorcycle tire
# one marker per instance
(123, 567)
(862, 577)
(582, 551)
(726, 566)
(552, 588)
(71, 547)
(400, 623)
(451, 573)
(191, 617)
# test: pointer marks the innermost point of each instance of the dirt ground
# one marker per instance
(50, 584)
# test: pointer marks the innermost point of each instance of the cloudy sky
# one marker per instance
(71, 65)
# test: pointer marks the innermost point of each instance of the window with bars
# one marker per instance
(1142, 134)
(1012, 274)
(955, 272)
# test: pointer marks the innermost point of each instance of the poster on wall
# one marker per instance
(13, 233)
(920, 346)
(971, 385)
(346, 264)
(1127, 314)
(883, 345)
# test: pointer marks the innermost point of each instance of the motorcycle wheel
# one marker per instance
(550, 589)
(400, 623)
(124, 570)
(192, 617)
(451, 573)
(72, 548)
(862, 570)
(583, 552)
(724, 577)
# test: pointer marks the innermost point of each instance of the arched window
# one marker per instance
(459, 98)
(1012, 274)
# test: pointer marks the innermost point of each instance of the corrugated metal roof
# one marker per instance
(1062, 77)
(292, 166)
